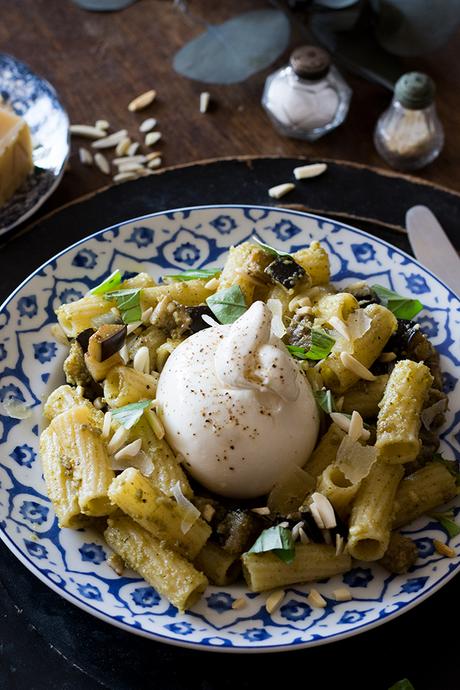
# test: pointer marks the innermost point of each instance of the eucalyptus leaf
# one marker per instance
(235, 50)
(129, 415)
(414, 27)
(128, 302)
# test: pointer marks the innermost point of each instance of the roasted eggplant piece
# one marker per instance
(83, 338)
(107, 341)
(285, 271)
(409, 342)
(363, 293)
(195, 314)
(400, 555)
(238, 531)
(299, 332)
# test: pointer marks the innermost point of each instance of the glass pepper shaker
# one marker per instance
(307, 98)
(409, 134)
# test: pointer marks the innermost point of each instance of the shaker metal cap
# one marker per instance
(310, 62)
(415, 90)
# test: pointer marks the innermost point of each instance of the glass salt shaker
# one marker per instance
(307, 98)
(409, 134)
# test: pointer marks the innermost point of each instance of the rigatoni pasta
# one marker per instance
(108, 452)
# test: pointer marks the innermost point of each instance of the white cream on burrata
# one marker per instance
(236, 407)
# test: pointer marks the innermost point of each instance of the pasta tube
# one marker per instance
(190, 293)
(220, 566)
(244, 263)
(76, 317)
(325, 452)
(372, 512)
(161, 516)
(264, 571)
(422, 491)
(364, 397)
(365, 349)
(315, 260)
(64, 398)
(125, 385)
(333, 484)
(164, 569)
(398, 422)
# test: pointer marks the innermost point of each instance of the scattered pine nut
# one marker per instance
(147, 125)
(315, 600)
(154, 163)
(303, 536)
(342, 594)
(356, 427)
(102, 163)
(313, 170)
(87, 131)
(85, 156)
(280, 190)
(141, 360)
(98, 403)
(102, 124)
(208, 513)
(152, 155)
(133, 148)
(274, 600)
(124, 177)
(444, 549)
(110, 141)
(212, 284)
(107, 424)
(155, 423)
(129, 159)
(130, 167)
(239, 604)
(151, 138)
(132, 327)
(265, 510)
(351, 363)
(123, 146)
(387, 357)
(205, 97)
(129, 451)
(118, 439)
(142, 101)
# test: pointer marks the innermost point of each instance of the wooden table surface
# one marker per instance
(99, 61)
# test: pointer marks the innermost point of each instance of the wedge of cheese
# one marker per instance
(15, 153)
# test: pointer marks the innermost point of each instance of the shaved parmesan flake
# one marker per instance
(17, 409)
(277, 325)
(340, 327)
(191, 512)
(358, 323)
(355, 460)
(431, 412)
(140, 462)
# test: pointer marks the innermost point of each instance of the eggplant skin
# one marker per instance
(107, 341)
(195, 314)
(285, 271)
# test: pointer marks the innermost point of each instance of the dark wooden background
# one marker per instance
(99, 61)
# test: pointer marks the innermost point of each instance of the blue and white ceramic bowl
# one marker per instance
(34, 99)
(73, 563)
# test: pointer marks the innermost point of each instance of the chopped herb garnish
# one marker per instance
(403, 684)
(128, 302)
(321, 345)
(446, 521)
(270, 250)
(325, 400)
(108, 284)
(277, 539)
(402, 307)
(451, 465)
(227, 305)
(129, 415)
(194, 274)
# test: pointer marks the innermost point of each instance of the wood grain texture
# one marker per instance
(99, 61)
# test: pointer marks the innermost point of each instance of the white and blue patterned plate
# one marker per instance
(34, 99)
(73, 563)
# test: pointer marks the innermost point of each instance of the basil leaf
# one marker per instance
(270, 250)
(129, 415)
(128, 302)
(402, 307)
(321, 345)
(227, 305)
(325, 400)
(108, 284)
(277, 539)
(451, 465)
(403, 684)
(446, 522)
(194, 274)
